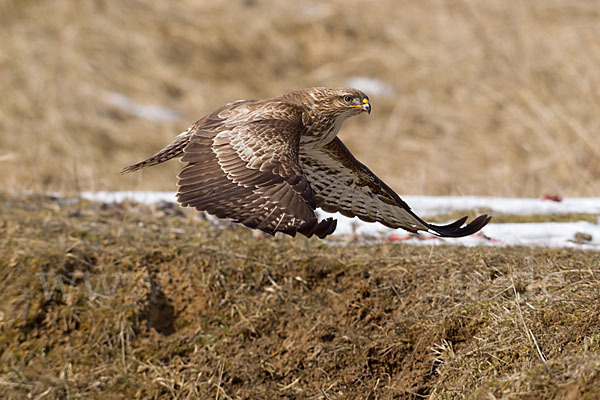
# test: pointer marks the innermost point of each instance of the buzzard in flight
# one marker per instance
(268, 164)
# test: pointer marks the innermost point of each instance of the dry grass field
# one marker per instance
(491, 97)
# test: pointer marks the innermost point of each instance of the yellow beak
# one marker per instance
(365, 106)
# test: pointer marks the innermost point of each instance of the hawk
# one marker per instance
(269, 163)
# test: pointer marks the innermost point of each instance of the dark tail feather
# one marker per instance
(456, 229)
(175, 149)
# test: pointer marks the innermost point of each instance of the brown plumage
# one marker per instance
(269, 163)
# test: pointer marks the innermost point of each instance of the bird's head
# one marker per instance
(343, 102)
(351, 101)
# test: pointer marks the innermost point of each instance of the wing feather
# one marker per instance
(341, 183)
(248, 171)
(172, 150)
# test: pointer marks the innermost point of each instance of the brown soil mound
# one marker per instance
(156, 304)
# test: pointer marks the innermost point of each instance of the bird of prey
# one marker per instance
(268, 164)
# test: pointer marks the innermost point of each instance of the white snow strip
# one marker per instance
(547, 234)
(543, 234)
(428, 205)
(140, 197)
(425, 206)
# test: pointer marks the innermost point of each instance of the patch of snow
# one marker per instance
(371, 86)
(542, 234)
(118, 197)
(314, 10)
(428, 205)
(147, 111)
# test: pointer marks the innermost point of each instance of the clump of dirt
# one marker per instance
(155, 304)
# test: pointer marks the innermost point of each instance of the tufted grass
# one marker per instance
(189, 310)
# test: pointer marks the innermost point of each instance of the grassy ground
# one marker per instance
(190, 311)
(485, 97)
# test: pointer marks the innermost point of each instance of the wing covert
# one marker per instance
(249, 172)
(341, 183)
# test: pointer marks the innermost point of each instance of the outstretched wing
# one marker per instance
(341, 183)
(248, 171)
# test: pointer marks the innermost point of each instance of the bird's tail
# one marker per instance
(173, 150)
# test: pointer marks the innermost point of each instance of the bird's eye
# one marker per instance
(348, 99)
